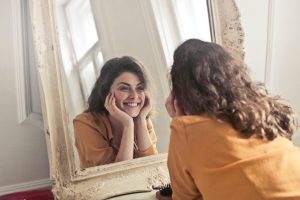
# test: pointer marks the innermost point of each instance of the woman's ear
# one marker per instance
(178, 109)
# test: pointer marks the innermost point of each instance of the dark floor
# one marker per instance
(42, 194)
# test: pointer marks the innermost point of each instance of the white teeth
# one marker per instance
(131, 104)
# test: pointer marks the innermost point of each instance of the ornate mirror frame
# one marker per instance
(119, 178)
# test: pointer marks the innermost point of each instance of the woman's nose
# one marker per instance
(133, 94)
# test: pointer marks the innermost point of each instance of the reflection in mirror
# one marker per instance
(93, 32)
(116, 126)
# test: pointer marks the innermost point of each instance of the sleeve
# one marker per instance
(152, 150)
(182, 182)
(92, 147)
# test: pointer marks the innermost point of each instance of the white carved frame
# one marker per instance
(118, 178)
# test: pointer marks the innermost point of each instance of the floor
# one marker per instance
(42, 194)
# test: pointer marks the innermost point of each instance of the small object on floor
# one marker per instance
(164, 193)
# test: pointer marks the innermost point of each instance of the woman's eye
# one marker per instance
(140, 88)
(124, 88)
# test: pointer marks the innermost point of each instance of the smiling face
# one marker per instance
(129, 93)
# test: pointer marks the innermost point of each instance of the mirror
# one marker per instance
(153, 47)
(92, 32)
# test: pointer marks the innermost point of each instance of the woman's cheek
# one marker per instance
(118, 100)
(143, 97)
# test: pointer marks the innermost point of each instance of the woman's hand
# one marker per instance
(141, 131)
(127, 128)
(172, 106)
(110, 104)
(144, 112)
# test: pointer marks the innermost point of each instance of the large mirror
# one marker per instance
(73, 38)
(91, 32)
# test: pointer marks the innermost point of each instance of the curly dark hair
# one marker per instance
(208, 80)
(109, 72)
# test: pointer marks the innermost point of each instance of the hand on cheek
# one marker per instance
(115, 112)
(145, 110)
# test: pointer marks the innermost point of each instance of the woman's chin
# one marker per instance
(132, 113)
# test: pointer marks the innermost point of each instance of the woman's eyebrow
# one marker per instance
(124, 83)
(127, 84)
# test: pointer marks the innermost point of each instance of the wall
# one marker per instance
(272, 45)
(23, 153)
(285, 54)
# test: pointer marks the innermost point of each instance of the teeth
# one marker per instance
(131, 104)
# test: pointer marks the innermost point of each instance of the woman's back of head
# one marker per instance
(207, 80)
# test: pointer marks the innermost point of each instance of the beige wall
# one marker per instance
(272, 46)
(286, 58)
(23, 153)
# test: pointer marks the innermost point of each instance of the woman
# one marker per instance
(229, 138)
(116, 125)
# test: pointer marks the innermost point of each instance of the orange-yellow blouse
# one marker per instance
(209, 160)
(95, 143)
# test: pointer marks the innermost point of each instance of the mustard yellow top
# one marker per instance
(95, 143)
(209, 160)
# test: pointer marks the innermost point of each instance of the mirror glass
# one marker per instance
(94, 31)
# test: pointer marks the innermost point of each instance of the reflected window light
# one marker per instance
(192, 18)
(67, 63)
(82, 26)
(80, 47)
(100, 60)
(88, 77)
(179, 20)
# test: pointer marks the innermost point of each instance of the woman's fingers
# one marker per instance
(119, 115)
(147, 104)
(113, 103)
(145, 110)
(109, 103)
(106, 103)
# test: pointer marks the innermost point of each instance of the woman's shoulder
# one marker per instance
(201, 124)
(84, 117)
(90, 118)
(94, 121)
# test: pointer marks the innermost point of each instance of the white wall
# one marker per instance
(286, 58)
(255, 26)
(23, 153)
(272, 38)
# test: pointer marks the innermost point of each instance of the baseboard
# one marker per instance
(32, 185)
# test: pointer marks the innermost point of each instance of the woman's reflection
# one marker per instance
(116, 126)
